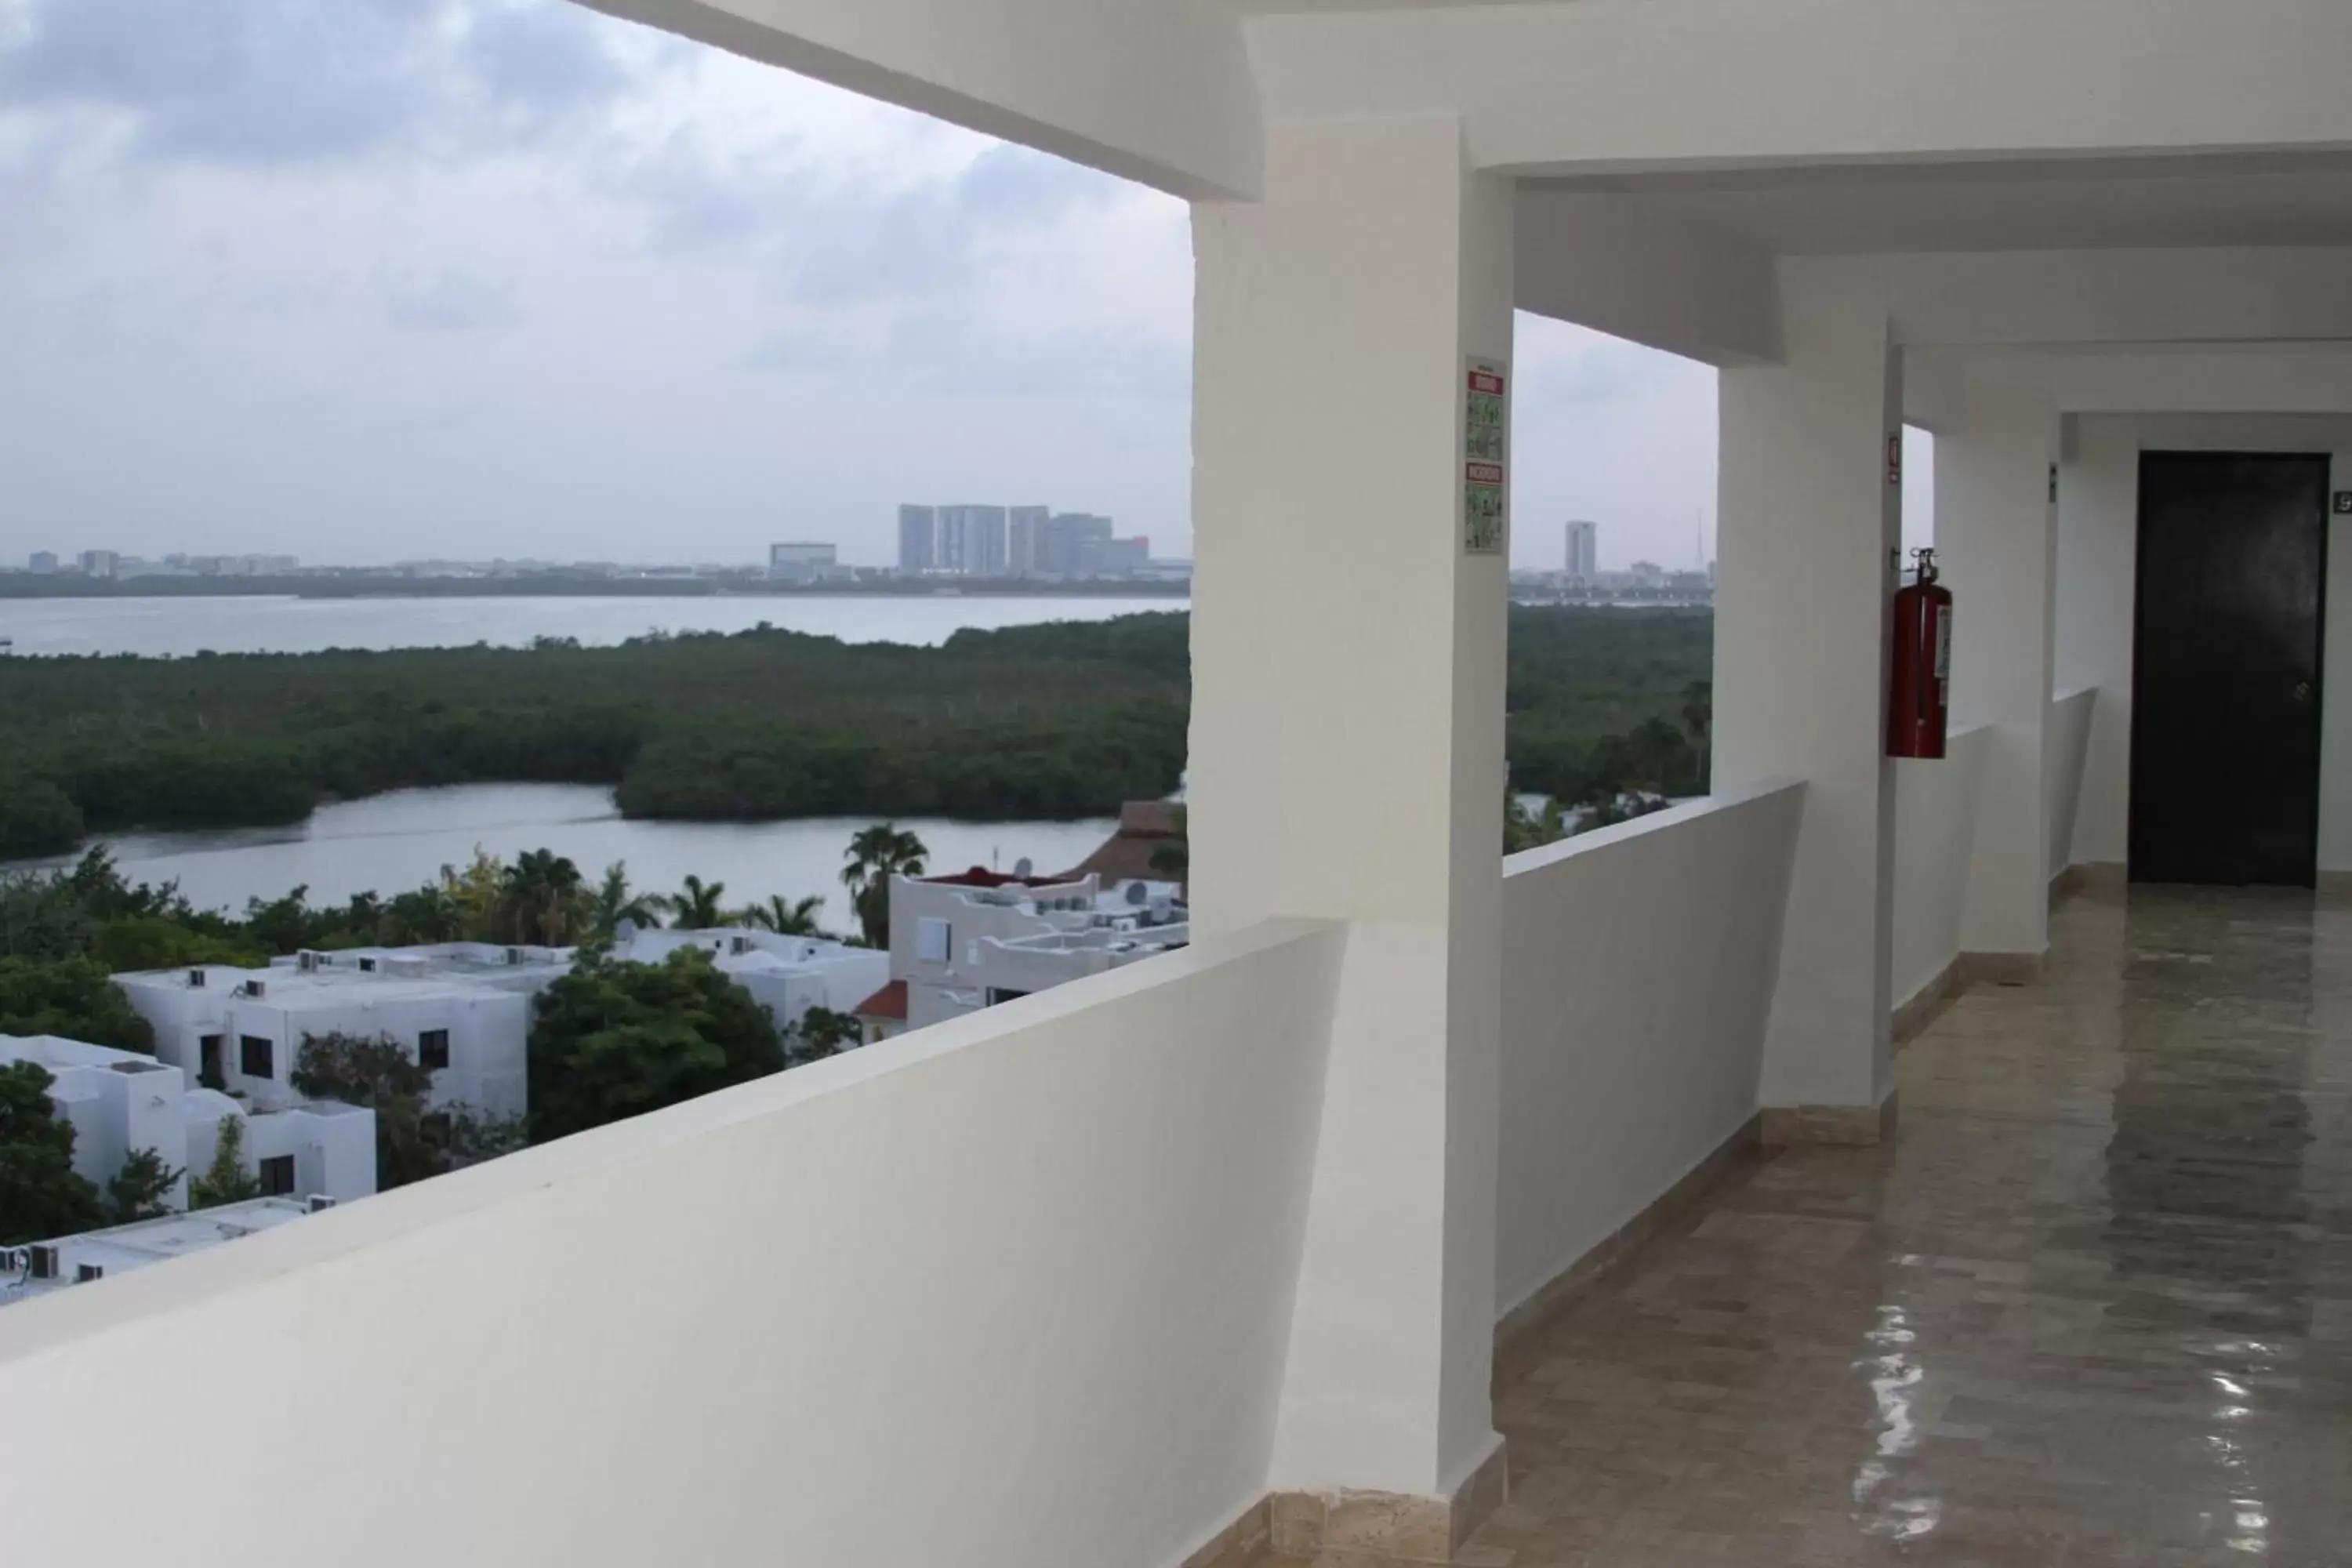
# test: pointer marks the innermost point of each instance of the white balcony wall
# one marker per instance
(1936, 806)
(1638, 967)
(2069, 749)
(1014, 1290)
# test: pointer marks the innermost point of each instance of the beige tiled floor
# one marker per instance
(2093, 1307)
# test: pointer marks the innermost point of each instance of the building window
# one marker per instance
(255, 1056)
(432, 1049)
(934, 938)
(211, 1050)
(277, 1175)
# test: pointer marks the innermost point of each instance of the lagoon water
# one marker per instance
(392, 843)
(389, 843)
(269, 624)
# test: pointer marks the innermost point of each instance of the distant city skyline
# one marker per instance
(457, 278)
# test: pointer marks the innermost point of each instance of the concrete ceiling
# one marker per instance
(2030, 205)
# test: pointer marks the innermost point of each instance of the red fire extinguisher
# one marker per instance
(1918, 698)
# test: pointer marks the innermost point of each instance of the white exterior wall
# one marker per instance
(1936, 813)
(334, 1145)
(1638, 967)
(2098, 533)
(489, 1028)
(114, 1113)
(980, 1267)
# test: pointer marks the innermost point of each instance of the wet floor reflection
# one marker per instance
(2094, 1308)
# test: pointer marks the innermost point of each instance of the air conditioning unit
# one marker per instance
(45, 1261)
(367, 966)
(196, 979)
(306, 961)
(86, 1272)
(742, 945)
(252, 988)
(514, 955)
(318, 1201)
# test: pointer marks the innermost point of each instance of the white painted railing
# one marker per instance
(1638, 969)
(1936, 805)
(1014, 1289)
(2068, 749)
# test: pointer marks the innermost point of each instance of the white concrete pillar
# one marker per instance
(1347, 749)
(1997, 538)
(1811, 517)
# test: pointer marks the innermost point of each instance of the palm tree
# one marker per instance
(695, 906)
(786, 917)
(540, 897)
(615, 902)
(876, 854)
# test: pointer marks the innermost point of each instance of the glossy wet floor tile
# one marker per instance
(2093, 1306)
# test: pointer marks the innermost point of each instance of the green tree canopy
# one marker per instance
(41, 1194)
(75, 998)
(139, 1187)
(820, 1033)
(613, 1039)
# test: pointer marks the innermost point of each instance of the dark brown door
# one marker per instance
(2225, 684)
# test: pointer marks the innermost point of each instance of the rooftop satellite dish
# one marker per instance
(1138, 894)
(1023, 867)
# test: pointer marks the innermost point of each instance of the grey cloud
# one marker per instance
(451, 302)
(289, 81)
(837, 244)
(1607, 370)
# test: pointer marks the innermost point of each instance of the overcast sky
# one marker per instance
(367, 279)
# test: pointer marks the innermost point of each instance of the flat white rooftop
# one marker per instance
(135, 1245)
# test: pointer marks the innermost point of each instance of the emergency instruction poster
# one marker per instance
(1486, 460)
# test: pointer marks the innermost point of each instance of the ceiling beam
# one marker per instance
(1613, 264)
(1630, 86)
(1158, 91)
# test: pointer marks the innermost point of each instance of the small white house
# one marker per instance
(465, 1016)
(969, 941)
(122, 1101)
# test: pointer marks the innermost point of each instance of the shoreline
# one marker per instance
(23, 587)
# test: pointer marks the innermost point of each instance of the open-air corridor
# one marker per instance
(2093, 1306)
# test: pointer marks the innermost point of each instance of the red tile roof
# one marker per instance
(981, 876)
(890, 1001)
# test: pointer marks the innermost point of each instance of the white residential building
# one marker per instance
(463, 1009)
(962, 943)
(122, 1101)
(786, 974)
(92, 1255)
(1583, 559)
